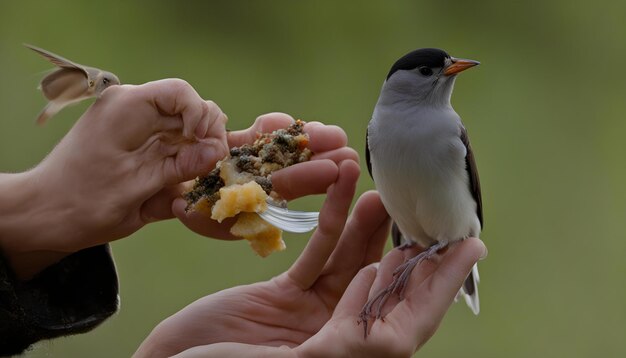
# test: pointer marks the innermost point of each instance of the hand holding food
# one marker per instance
(327, 146)
(241, 184)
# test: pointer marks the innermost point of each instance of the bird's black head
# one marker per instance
(428, 58)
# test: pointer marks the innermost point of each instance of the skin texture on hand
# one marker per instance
(312, 309)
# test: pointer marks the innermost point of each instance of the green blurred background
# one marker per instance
(545, 112)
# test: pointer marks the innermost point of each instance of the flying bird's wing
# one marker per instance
(64, 82)
(57, 60)
(472, 172)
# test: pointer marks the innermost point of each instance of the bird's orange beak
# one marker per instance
(458, 65)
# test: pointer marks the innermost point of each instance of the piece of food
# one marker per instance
(264, 237)
(241, 183)
(236, 198)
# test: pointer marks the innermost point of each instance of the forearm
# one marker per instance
(46, 289)
(30, 220)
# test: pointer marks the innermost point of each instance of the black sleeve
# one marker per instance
(72, 296)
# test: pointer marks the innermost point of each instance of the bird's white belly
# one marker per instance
(424, 185)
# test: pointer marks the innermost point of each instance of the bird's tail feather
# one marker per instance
(469, 290)
(48, 111)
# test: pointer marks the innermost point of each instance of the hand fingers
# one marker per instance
(367, 227)
(175, 97)
(389, 263)
(338, 155)
(333, 215)
(427, 303)
(356, 294)
(305, 179)
(202, 224)
(323, 138)
(311, 177)
(159, 206)
(263, 124)
(213, 124)
(375, 248)
(185, 161)
(167, 124)
(176, 162)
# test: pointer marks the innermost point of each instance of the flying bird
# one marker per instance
(419, 155)
(70, 83)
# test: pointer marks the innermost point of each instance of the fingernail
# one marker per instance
(484, 255)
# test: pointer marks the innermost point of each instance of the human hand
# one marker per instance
(114, 171)
(408, 324)
(276, 319)
(328, 144)
(293, 306)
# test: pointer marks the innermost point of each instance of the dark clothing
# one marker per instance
(72, 296)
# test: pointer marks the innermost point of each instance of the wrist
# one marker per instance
(30, 223)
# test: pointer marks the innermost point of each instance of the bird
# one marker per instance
(70, 83)
(419, 155)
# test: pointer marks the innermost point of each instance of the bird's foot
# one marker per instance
(400, 281)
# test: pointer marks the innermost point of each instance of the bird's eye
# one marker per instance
(105, 81)
(425, 71)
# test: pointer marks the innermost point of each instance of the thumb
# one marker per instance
(192, 160)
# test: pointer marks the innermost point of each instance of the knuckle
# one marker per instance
(259, 121)
(212, 109)
(178, 85)
(269, 121)
(114, 90)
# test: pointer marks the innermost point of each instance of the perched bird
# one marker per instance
(419, 155)
(70, 83)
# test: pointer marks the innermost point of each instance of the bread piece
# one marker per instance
(237, 198)
(264, 238)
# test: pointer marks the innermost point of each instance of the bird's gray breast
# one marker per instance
(418, 165)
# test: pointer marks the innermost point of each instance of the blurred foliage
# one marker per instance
(545, 112)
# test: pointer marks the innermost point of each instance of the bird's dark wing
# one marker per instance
(57, 60)
(472, 172)
(367, 154)
(396, 236)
